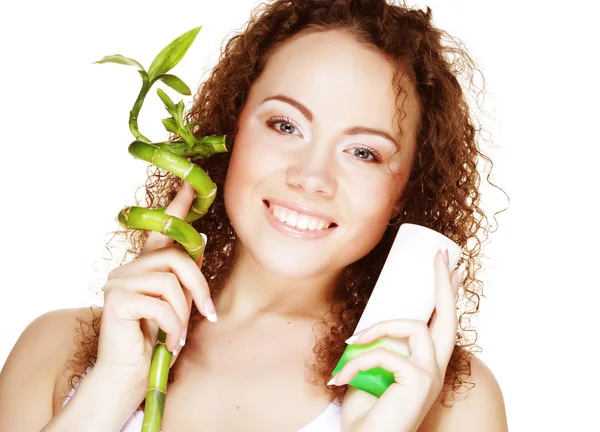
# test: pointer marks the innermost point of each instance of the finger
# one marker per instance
(398, 365)
(443, 330)
(179, 207)
(170, 259)
(201, 259)
(150, 329)
(164, 285)
(422, 351)
(129, 306)
(183, 336)
(456, 277)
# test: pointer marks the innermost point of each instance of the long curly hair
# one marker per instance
(441, 193)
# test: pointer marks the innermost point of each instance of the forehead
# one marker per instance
(342, 81)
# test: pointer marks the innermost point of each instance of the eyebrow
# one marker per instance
(353, 130)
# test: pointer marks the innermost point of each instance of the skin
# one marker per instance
(279, 286)
(343, 84)
(308, 158)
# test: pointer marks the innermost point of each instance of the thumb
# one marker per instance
(179, 208)
(201, 259)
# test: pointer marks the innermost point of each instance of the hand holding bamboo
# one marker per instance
(175, 157)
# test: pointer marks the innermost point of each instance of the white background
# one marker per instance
(66, 172)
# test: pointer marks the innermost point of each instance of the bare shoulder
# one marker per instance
(480, 408)
(68, 321)
(29, 375)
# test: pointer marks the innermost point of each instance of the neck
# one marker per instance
(252, 291)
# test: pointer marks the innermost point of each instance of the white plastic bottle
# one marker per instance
(405, 289)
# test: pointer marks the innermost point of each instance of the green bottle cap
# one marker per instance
(374, 381)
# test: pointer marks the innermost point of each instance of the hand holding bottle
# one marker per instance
(418, 378)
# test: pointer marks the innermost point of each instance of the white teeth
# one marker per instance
(302, 221)
(282, 213)
(275, 211)
(292, 218)
(298, 220)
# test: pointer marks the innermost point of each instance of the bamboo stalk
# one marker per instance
(178, 230)
(172, 157)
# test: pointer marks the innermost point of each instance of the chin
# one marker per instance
(286, 260)
(295, 269)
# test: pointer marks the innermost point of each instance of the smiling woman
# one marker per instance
(316, 151)
(345, 119)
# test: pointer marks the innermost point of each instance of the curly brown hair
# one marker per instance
(441, 193)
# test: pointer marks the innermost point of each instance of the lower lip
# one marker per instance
(295, 232)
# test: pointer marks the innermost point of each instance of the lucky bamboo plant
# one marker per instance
(174, 156)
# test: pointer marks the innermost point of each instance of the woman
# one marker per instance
(345, 119)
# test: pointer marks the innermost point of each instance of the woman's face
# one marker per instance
(303, 151)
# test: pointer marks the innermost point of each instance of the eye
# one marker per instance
(367, 154)
(288, 127)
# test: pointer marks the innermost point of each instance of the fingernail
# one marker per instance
(462, 274)
(209, 309)
(205, 238)
(183, 337)
(355, 336)
(332, 380)
(444, 250)
(175, 351)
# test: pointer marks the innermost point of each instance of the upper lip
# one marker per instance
(301, 208)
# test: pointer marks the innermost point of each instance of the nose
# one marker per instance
(313, 174)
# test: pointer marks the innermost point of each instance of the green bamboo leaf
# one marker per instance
(176, 84)
(179, 117)
(166, 100)
(121, 59)
(168, 58)
(171, 125)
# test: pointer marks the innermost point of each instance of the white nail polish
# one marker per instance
(332, 380)
(209, 309)
(355, 336)
(444, 250)
(351, 339)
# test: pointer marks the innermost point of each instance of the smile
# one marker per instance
(295, 223)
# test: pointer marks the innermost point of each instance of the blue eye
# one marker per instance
(289, 126)
(363, 152)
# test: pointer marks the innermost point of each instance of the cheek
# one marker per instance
(375, 199)
(237, 176)
(250, 164)
(255, 151)
(373, 203)
(245, 160)
(235, 172)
